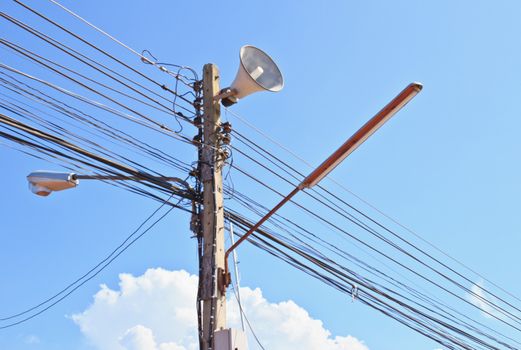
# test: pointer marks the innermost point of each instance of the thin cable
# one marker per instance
(91, 121)
(33, 57)
(95, 273)
(500, 309)
(438, 330)
(236, 270)
(98, 49)
(87, 60)
(141, 56)
(404, 266)
(92, 269)
(155, 126)
(330, 178)
(394, 245)
(236, 294)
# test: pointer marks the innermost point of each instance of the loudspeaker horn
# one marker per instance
(257, 72)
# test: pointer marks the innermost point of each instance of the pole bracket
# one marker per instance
(224, 279)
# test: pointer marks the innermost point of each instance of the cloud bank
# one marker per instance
(156, 311)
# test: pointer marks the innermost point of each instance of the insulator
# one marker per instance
(227, 127)
(226, 139)
(196, 140)
(198, 85)
(145, 60)
(225, 154)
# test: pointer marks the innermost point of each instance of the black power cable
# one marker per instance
(93, 272)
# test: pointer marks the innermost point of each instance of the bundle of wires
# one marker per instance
(87, 109)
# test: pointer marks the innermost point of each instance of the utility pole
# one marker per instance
(211, 162)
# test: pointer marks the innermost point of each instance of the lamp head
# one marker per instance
(43, 183)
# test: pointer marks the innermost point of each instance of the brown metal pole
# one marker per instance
(255, 227)
(362, 134)
(332, 161)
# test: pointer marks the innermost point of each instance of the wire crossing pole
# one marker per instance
(212, 291)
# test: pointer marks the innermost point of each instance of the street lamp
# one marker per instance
(333, 160)
(44, 182)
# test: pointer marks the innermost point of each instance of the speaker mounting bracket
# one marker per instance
(227, 97)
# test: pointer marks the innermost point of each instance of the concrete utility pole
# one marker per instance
(212, 291)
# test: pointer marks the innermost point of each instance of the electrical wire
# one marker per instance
(241, 310)
(430, 328)
(91, 273)
(424, 319)
(33, 57)
(440, 336)
(91, 121)
(141, 56)
(343, 187)
(155, 125)
(98, 49)
(90, 62)
(361, 225)
(56, 140)
(402, 265)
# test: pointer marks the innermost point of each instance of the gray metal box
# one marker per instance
(230, 339)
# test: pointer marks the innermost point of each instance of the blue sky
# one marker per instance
(446, 166)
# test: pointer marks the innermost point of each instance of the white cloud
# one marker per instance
(286, 325)
(142, 338)
(138, 338)
(156, 311)
(32, 339)
(480, 298)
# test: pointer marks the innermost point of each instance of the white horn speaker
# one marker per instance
(257, 72)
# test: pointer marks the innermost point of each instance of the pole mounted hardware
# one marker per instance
(257, 72)
(44, 182)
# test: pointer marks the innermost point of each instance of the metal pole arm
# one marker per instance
(334, 159)
(362, 134)
(227, 278)
(130, 178)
